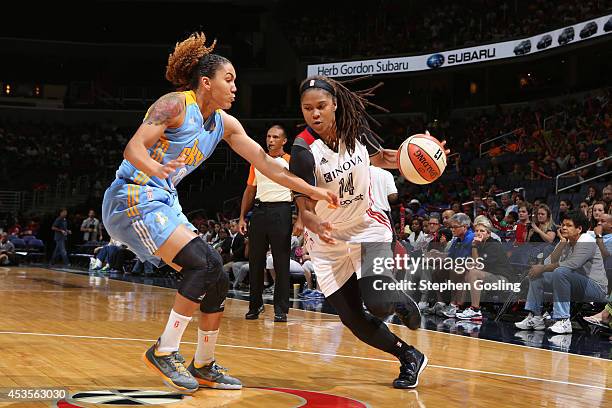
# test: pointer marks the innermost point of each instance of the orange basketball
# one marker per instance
(421, 159)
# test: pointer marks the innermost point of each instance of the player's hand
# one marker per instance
(242, 226)
(320, 194)
(443, 143)
(163, 171)
(447, 151)
(324, 230)
(298, 227)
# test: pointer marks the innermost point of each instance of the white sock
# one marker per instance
(171, 337)
(205, 352)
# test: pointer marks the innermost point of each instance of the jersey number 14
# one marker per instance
(346, 186)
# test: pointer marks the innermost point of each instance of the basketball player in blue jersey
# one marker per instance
(141, 208)
(335, 152)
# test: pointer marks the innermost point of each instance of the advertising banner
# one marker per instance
(508, 49)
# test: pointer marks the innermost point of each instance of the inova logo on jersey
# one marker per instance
(346, 166)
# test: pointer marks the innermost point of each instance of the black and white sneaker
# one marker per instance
(413, 364)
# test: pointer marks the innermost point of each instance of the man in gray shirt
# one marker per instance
(575, 272)
(7, 250)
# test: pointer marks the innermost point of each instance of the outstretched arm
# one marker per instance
(246, 147)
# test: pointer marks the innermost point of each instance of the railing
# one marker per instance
(568, 172)
(517, 189)
(489, 141)
(10, 201)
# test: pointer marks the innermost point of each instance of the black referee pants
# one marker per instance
(270, 226)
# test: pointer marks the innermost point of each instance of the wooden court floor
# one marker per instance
(88, 333)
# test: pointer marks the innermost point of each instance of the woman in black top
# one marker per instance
(496, 268)
(542, 227)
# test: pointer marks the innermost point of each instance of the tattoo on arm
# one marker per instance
(164, 109)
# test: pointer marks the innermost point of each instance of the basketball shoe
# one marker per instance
(413, 363)
(212, 375)
(170, 366)
(409, 313)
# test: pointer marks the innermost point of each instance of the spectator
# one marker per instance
(542, 227)
(446, 216)
(7, 251)
(564, 207)
(105, 257)
(91, 228)
(584, 208)
(482, 219)
(592, 195)
(496, 267)
(461, 247)
(417, 240)
(60, 226)
(575, 266)
(607, 196)
(522, 226)
(597, 210)
(506, 202)
(415, 209)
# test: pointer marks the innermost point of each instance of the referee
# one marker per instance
(270, 226)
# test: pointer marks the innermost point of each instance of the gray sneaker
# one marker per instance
(436, 309)
(450, 311)
(213, 376)
(170, 367)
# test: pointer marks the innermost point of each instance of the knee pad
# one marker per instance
(202, 271)
(216, 292)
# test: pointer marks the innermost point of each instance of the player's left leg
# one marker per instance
(347, 302)
(203, 367)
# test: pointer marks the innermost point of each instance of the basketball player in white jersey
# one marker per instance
(334, 152)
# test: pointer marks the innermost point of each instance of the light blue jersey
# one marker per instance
(143, 211)
(195, 140)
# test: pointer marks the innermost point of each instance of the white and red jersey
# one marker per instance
(346, 174)
(355, 221)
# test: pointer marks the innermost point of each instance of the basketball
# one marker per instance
(421, 159)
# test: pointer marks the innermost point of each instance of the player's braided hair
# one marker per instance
(352, 118)
(191, 60)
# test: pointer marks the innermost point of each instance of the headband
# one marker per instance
(317, 83)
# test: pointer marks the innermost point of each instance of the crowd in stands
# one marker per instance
(467, 204)
(388, 27)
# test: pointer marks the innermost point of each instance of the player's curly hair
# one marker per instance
(191, 60)
(352, 118)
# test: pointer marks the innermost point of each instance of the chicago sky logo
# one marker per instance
(435, 61)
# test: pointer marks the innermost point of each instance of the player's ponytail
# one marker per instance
(191, 60)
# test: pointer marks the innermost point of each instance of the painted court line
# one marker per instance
(391, 324)
(491, 373)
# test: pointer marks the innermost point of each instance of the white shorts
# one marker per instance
(335, 264)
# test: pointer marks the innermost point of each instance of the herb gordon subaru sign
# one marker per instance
(490, 52)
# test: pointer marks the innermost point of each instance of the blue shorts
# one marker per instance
(141, 217)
